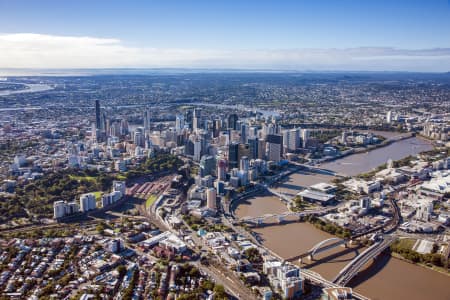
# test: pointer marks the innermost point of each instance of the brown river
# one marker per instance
(384, 278)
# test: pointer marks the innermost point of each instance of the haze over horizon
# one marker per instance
(255, 35)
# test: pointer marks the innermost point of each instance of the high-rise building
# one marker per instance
(305, 137)
(262, 149)
(123, 127)
(244, 129)
(207, 165)
(197, 149)
(87, 202)
(211, 198)
(217, 126)
(244, 150)
(244, 163)
(59, 209)
(253, 132)
(179, 123)
(275, 147)
(146, 117)
(195, 123)
(222, 170)
(97, 115)
(62, 209)
(253, 147)
(232, 121)
(389, 117)
(138, 137)
(291, 139)
(188, 117)
(233, 155)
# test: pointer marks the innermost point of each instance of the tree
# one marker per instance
(219, 291)
(121, 270)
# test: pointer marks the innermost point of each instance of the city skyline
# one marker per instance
(301, 36)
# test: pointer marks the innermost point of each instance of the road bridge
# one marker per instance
(353, 267)
(282, 216)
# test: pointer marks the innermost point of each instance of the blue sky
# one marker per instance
(273, 34)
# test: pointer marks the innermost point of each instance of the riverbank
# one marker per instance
(369, 148)
(359, 163)
(432, 268)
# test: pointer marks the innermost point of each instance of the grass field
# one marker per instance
(407, 243)
(150, 201)
(80, 178)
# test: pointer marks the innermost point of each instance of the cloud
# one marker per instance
(30, 50)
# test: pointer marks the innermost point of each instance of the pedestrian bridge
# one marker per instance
(282, 216)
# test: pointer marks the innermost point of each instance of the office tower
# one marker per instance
(107, 125)
(87, 202)
(146, 117)
(244, 129)
(262, 145)
(195, 123)
(211, 196)
(305, 137)
(196, 119)
(197, 113)
(124, 127)
(95, 133)
(253, 148)
(188, 117)
(389, 117)
(232, 121)
(222, 170)
(97, 115)
(207, 165)
(253, 132)
(233, 155)
(244, 163)
(103, 118)
(243, 150)
(197, 150)
(275, 146)
(217, 126)
(189, 147)
(179, 123)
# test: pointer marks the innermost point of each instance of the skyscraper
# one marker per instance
(232, 121)
(233, 158)
(244, 129)
(253, 147)
(179, 123)
(389, 117)
(244, 163)
(97, 115)
(146, 117)
(305, 137)
(221, 170)
(275, 145)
